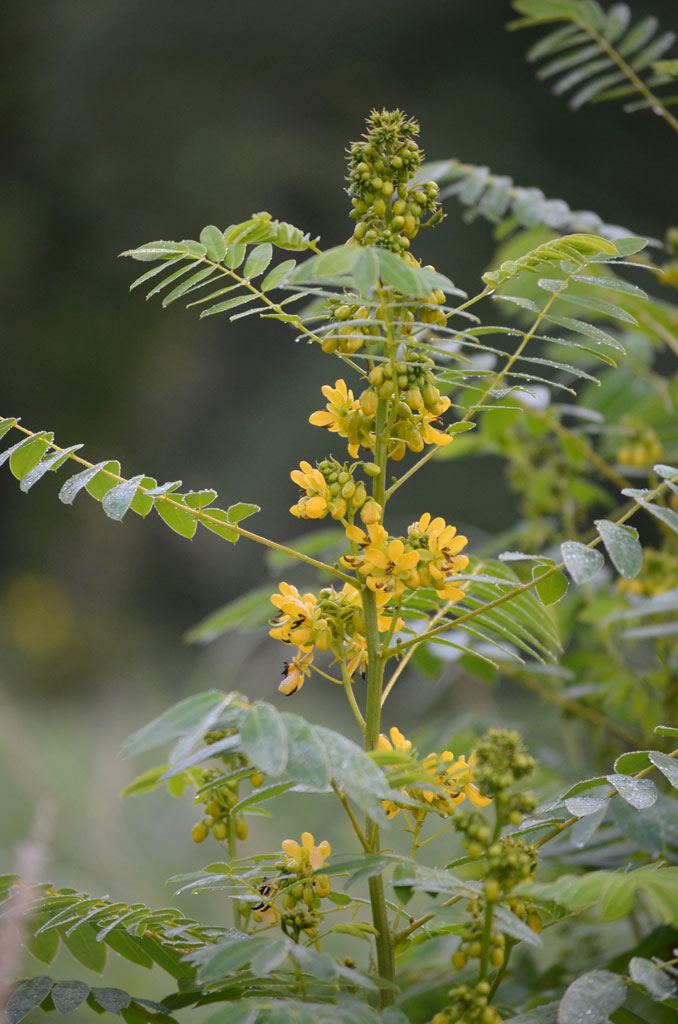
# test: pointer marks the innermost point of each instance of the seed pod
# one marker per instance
(410, 226)
(371, 469)
(288, 901)
(323, 886)
(399, 207)
(414, 399)
(257, 779)
(330, 344)
(241, 827)
(348, 490)
(387, 189)
(379, 207)
(491, 889)
(213, 808)
(376, 376)
(458, 961)
(497, 957)
(309, 895)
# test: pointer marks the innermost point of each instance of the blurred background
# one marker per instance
(123, 122)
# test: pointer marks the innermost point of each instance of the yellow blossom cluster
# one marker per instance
(330, 620)
(453, 775)
(346, 416)
(328, 489)
(426, 557)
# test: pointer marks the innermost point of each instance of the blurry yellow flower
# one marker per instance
(294, 673)
(396, 742)
(307, 853)
(456, 777)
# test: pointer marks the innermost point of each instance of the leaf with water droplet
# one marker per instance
(581, 562)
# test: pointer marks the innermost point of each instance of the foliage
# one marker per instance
(382, 931)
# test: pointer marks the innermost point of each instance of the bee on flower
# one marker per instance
(295, 671)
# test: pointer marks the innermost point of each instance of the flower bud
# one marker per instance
(199, 832)
(371, 512)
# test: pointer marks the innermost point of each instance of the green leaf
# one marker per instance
(582, 562)
(215, 244)
(6, 425)
(630, 245)
(596, 334)
(306, 756)
(217, 961)
(28, 454)
(366, 272)
(220, 307)
(264, 739)
(156, 251)
(354, 772)
(128, 947)
(26, 997)
(183, 523)
(118, 499)
(615, 284)
(258, 260)
(45, 946)
(199, 499)
(172, 723)
(145, 782)
(512, 925)
(550, 589)
(187, 285)
(666, 730)
(665, 515)
(82, 944)
(103, 481)
(640, 793)
(75, 483)
(622, 545)
(112, 999)
(235, 254)
(657, 982)
(269, 957)
(142, 502)
(668, 766)
(68, 995)
(592, 998)
(216, 517)
(401, 276)
(599, 306)
(51, 462)
(278, 275)
(547, 1013)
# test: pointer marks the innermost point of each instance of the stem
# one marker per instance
(352, 818)
(348, 689)
(375, 679)
(486, 940)
(231, 839)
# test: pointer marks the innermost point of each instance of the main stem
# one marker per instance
(375, 682)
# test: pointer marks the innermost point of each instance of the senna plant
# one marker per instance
(440, 929)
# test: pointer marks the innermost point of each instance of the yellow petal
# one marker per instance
(408, 561)
(383, 743)
(291, 848)
(307, 841)
(476, 797)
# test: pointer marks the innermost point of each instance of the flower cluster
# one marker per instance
(453, 776)
(330, 620)
(388, 211)
(470, 1005)
(354, 419)
(327, 489)
(426, 557)
(302, 888)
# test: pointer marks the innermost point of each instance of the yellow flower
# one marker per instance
(429, 434)
(439, 546)
(396, 742)
(342, 415)
(294, 673)
(456, 777)
(307, 853)
(314, 502)
(300, 621)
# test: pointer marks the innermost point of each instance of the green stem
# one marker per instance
(231, 840)
(486, 941)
